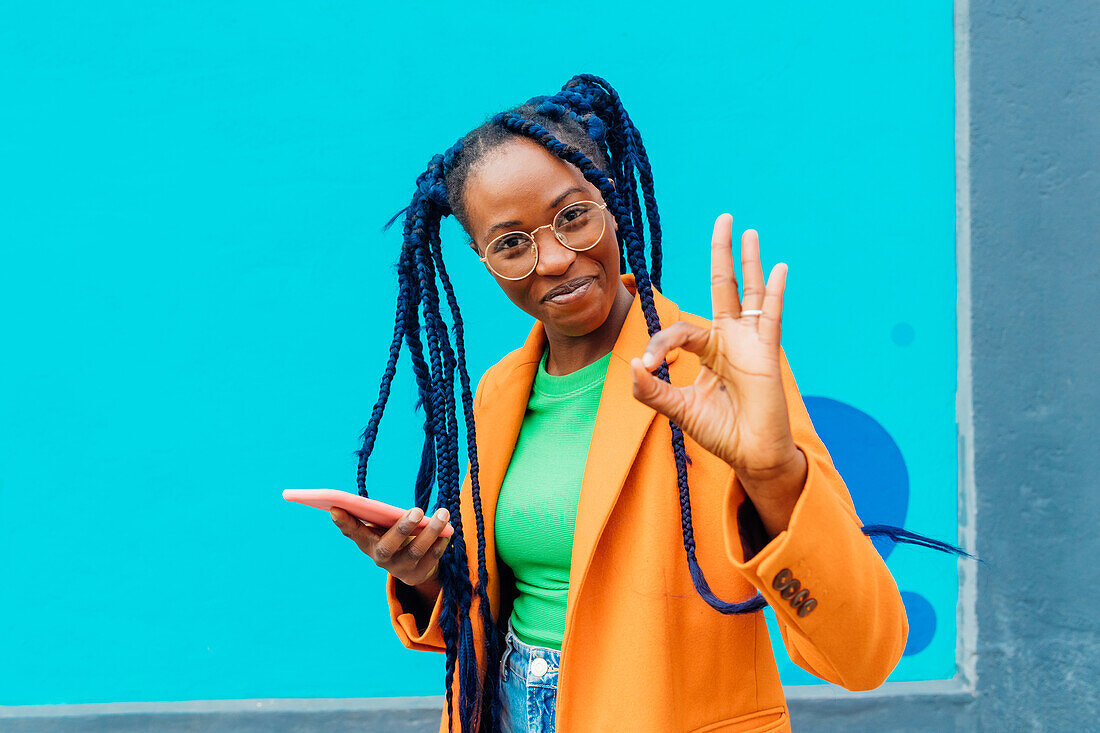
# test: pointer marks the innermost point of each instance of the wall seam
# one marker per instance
(966, 612)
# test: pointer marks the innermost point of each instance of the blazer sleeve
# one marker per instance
(855, 632)
(403, 621)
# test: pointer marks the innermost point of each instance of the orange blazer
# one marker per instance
(642, 651)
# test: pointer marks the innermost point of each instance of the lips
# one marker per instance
(570, 290)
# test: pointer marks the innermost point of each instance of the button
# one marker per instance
(782, 579)
(800, 598)
(539, 666)
(792, 588)
(805, 608)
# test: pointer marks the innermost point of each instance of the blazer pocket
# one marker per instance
(761, 721)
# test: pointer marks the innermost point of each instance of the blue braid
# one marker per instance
(482, 588)
(452, 570)
(469, 684)
(636, 151)
(406, 326)
(370, 433)
(897, 534)
(452, 359)
(426, 475)
(419, 266)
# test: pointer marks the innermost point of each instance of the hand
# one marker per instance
(412, 559)
(736, 407)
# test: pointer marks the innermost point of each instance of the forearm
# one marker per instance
(834, 599)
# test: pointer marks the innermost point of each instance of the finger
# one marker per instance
(355, 524)
(353, 529)
(418, 549)
(434, 554)
(396, 536)
(657, 393)
(350, 525)
(723, 279)
(681, 333)
(751, 271)
(769, 327)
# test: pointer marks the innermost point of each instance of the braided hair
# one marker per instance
(586, 125)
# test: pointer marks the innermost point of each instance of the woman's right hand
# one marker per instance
(412, 559)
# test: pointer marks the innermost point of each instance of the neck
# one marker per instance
(570, 353)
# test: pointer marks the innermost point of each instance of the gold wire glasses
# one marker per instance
(579, 226)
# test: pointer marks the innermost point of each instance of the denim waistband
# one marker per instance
(520, 658)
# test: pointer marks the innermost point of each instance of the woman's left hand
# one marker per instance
(736, 408)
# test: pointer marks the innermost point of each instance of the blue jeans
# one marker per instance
(528, 686)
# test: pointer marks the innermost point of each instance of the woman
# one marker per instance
(570, 604)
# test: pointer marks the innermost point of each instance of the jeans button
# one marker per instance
(539, 666)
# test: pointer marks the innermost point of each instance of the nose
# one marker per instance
(554, 257)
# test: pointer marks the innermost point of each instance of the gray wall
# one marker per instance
(1029, 230)
(1035, 228)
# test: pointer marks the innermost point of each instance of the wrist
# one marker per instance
(774, 493)
(428, 591)
(785, 478)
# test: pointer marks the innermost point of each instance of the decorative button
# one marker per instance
(800, 598)
(782, 579)
(805, 608)
(790, 590)
(539, 666)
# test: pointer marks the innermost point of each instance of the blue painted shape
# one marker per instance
(902, 334)
(868, 460)
(922, 622)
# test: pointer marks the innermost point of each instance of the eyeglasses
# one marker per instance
(515, 255)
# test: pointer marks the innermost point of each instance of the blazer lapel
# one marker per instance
(498, 424)
(621, 425)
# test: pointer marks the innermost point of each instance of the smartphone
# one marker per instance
(367, 511)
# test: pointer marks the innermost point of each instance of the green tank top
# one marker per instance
(537, 508)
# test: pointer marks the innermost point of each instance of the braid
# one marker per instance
(635, 252)
(482, 587)
(585, 124)
(418, 268)
(452, 359)
(638, 154)
(446, 432)
(370, 433)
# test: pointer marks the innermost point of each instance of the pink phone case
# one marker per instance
(366, 510)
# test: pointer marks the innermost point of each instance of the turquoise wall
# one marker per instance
(197, 297)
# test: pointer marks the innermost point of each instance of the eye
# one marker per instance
(574, 218)
(574, 212)
(509, 243)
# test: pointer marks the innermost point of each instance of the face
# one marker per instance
(520, 186)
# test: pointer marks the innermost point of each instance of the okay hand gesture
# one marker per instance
(736, 408)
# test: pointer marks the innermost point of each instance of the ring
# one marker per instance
(751, 313)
